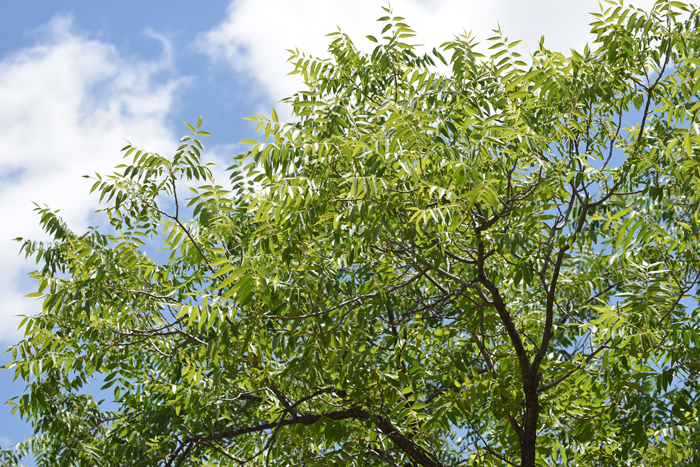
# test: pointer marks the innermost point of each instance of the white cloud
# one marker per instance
(65, 105)
(255, 33)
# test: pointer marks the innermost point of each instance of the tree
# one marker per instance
(486, 266)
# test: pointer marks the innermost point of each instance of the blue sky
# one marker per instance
(78, 76)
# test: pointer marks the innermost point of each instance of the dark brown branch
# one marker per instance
(147, 294)
(500, 306)
(574, 370)
(650, 91)
(184, 229)
(407, 445)
(352, 300)
(289, 408)
(549, 310)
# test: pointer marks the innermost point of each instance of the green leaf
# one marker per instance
(418, 253)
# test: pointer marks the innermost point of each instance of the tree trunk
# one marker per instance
(528, 441)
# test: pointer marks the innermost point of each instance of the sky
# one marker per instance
(77, 78)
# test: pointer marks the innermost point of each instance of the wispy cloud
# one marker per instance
(253, 36)
(65, 105)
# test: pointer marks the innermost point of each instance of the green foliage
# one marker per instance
(487, 267)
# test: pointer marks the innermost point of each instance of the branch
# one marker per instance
(574, 370)
(184, 229)
(289, 408)
(500, 306)
(407, 445)
(162, 298)
(549, 318)
(352, 300)
(650, 91)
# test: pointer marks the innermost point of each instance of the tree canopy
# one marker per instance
(444, 259)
